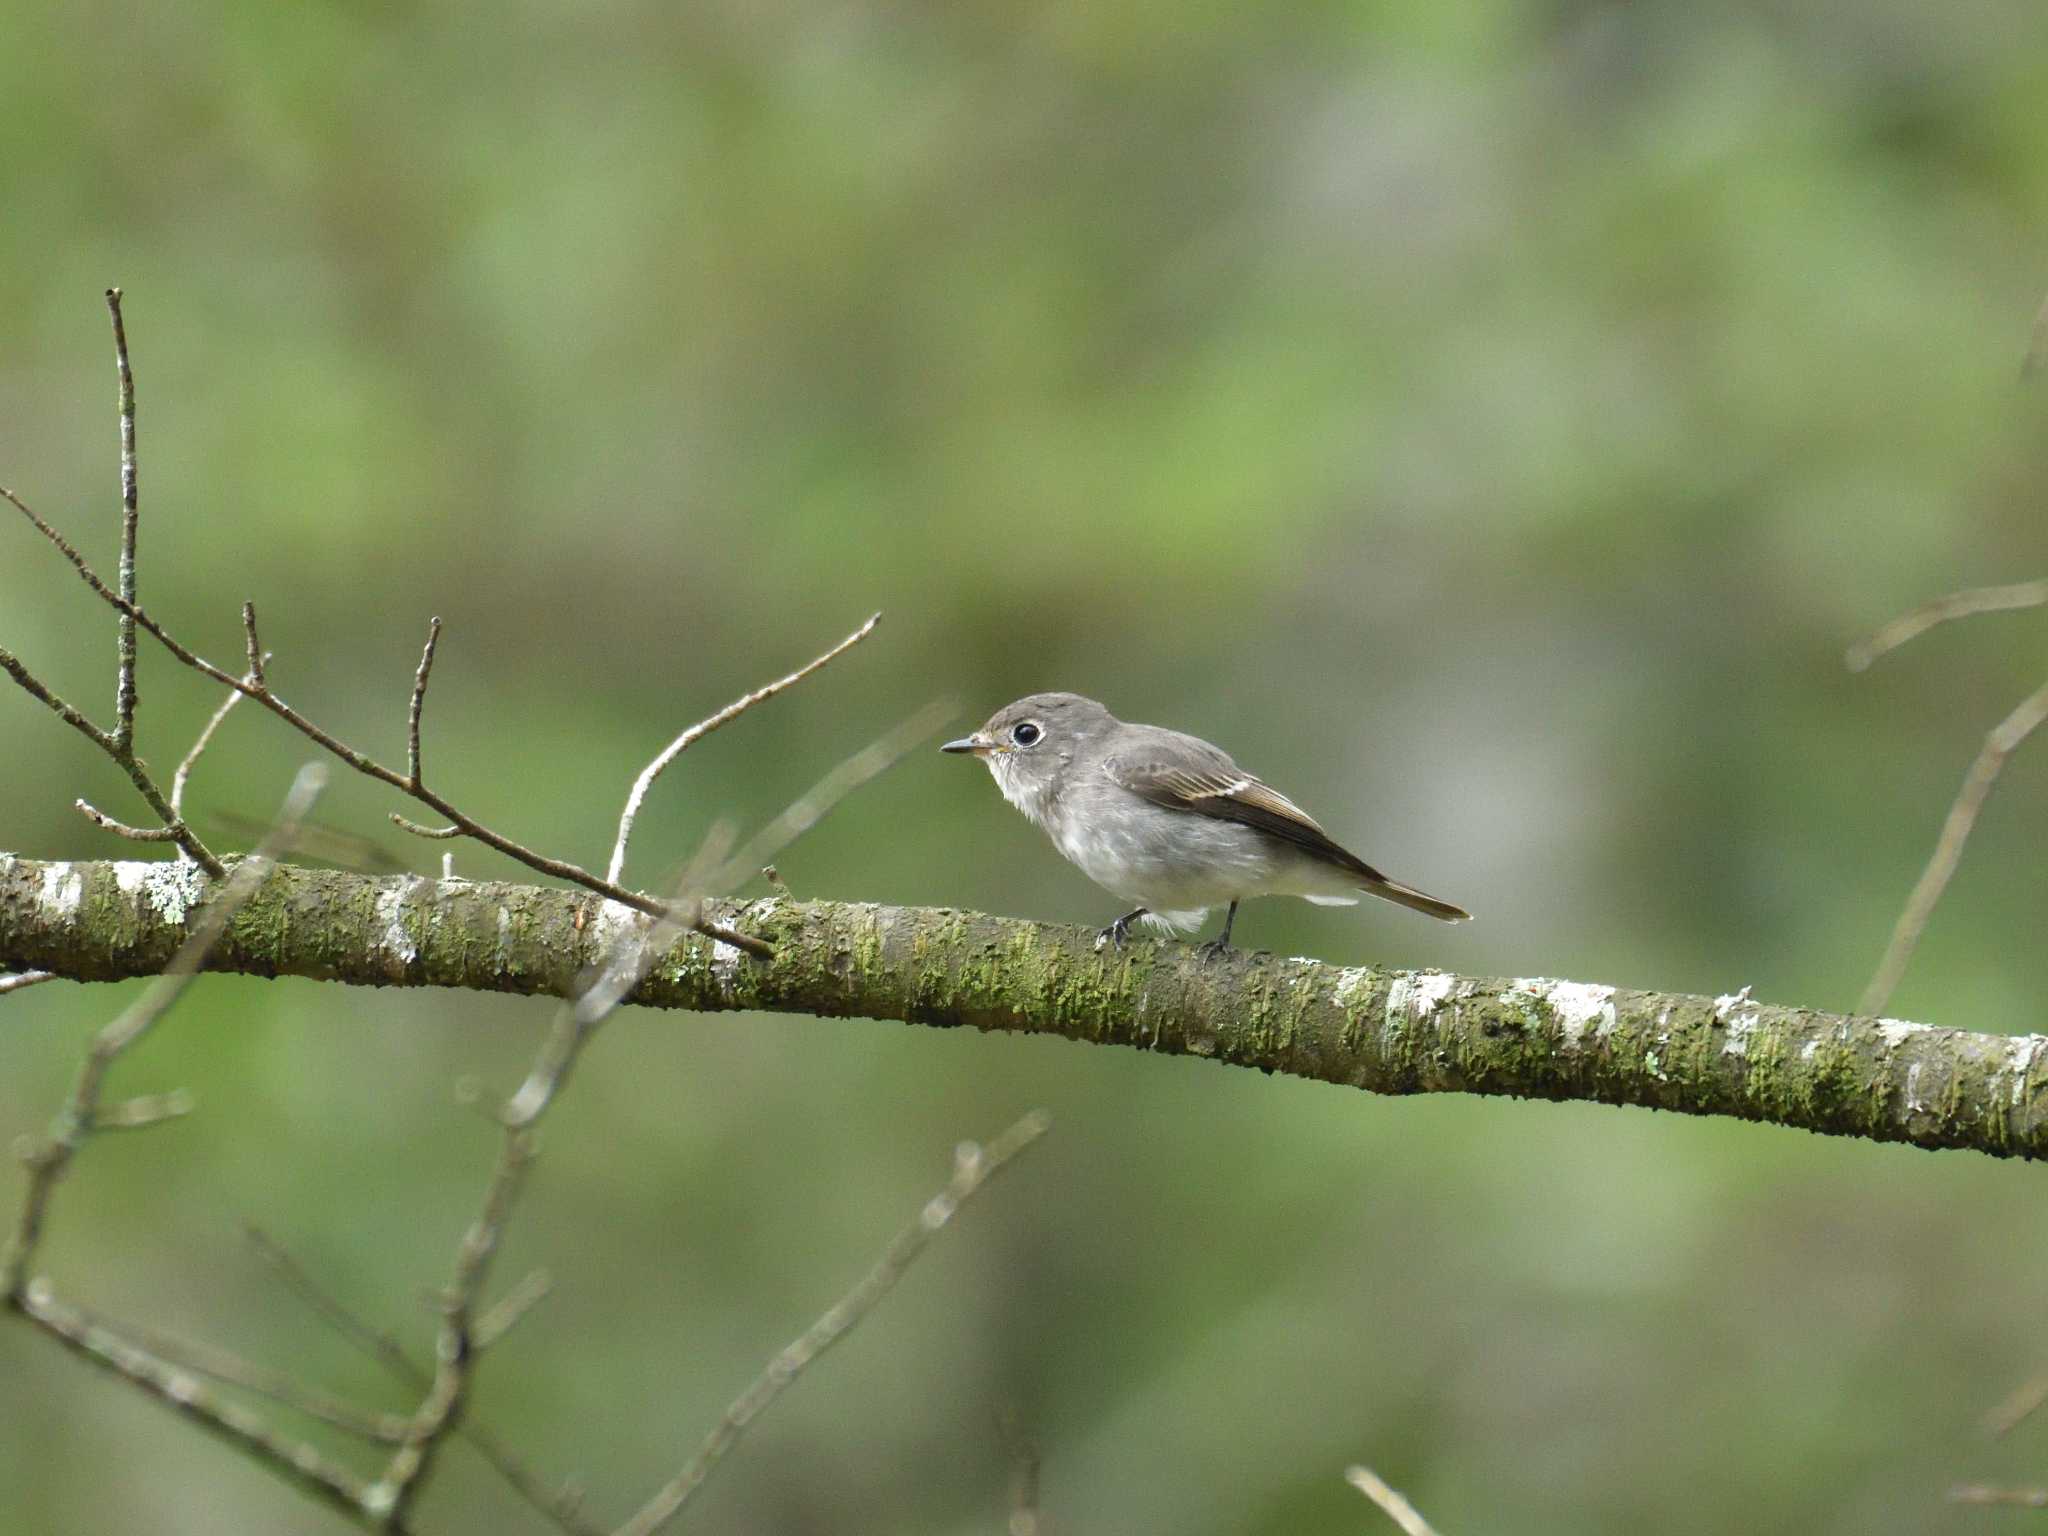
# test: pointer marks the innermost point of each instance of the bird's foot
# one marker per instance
(1119, 931)
(1220, 945)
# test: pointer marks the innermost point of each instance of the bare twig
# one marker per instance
(385, 1349)
(252, 646)
(23, 980)
(2019, 1404)
(106, 823)
(705, 727)
(143, 1111)
(973, 1166)
(812, 806)
(121, 751)
(361, 762)
(1396, 1508)
(124, 695)
(511, 1307)
(1986, 1493)
(82, 1114)
(438, 834)
(1025, 1465)
(298, 1462)
(75, 1122)
(1999, 745)
(419, 699)
(204, 740)
(457, 1345)
(1955, 605)
(226, 1366)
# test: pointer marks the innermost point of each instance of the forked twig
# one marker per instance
(705, 727)
(1396, 1508)
(1999, 745)
(75, 1122)
(973, 1166)
(260, 690)
(386, 1350)
(299, 1463)
(82, 1114)
(458, 1345)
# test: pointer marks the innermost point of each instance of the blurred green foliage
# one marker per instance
(1490, 419)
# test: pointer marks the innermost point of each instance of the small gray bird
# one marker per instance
(1165, 820)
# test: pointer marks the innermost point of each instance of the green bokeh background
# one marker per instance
(1490, 419)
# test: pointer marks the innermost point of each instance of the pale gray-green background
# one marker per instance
(1489, 419)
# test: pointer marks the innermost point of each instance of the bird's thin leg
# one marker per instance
(1119, 930)
(1221, 942)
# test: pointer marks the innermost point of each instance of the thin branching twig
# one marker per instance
(973, 1166)
(128, 1357)
(2000, 744)
(1953, 605)
(2003, 740)
(388, 1352)
(1396, 1508)
(458, 1345)
(260, 690)
(75, 1122)
(204, 740)
(705, 727)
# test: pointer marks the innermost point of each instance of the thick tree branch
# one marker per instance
(1384, 1030)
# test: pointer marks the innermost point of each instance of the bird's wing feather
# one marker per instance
(1215, 786)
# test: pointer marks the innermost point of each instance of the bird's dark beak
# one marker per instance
(977, 744)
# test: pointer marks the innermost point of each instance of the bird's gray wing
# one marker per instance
(1190, 775)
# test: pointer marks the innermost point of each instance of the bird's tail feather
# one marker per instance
(1414, 900)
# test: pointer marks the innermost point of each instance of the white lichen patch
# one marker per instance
(726, 960)
(1576, 1005)
(1736, 1041)
(170, 889)
(62, 891)
(1428, 992)
(613, 922)
(394, 940)
(1353, 985)
(1896, 1032)
(1397, 1001)
(1914, 1103)
(2020, 1052)
(1728, 1002)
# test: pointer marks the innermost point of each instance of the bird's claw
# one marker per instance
(1213, 949)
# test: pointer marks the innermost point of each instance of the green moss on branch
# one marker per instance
(1383, 1030)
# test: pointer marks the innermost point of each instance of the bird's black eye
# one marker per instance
(1026, 733)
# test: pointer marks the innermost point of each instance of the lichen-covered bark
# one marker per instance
(1384, 1030)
